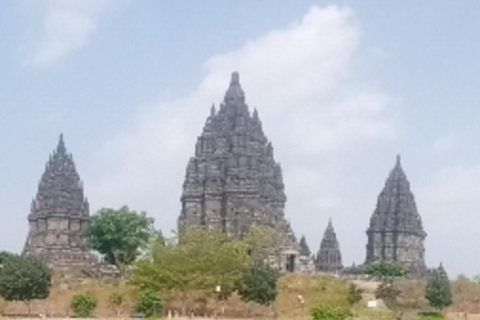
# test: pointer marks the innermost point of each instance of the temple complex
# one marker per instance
(329, 257)
(396, 233)
(59, 216)
(233, 182)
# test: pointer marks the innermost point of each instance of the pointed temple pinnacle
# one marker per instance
(61, 145)
(235, 78)
(212, 110)
(398, 163)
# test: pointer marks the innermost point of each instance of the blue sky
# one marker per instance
(341, 88)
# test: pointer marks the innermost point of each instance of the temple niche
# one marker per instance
(396, 233)
(233, 182)
(59, 216)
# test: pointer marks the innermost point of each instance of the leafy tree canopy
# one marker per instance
(259, 284)
(438, 290)
(24, 278)
(120, 235)
(385, 270)
(199, 260)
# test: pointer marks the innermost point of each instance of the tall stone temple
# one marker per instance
(329, 257)
(59, 215)
(233, 182)
(396, 233)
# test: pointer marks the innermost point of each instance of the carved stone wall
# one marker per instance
(59, 215)
(233, 182)
(396, 233)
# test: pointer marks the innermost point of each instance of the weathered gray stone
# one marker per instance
(329, 258)
(59, 216)
(396, 233)
(233, 182)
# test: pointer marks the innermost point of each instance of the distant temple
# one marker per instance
(329, 257)
(233, 182)
(396, 233)
(59, 215)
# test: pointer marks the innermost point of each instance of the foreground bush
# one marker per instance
(149, 303)
(24, 278)
(83, 305)
(330, 313)
(259, 284)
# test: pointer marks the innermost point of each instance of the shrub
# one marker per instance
(149, 303)
(354, 294)
(430, 315)
(83, 305)
(259, 284)
(330, 313)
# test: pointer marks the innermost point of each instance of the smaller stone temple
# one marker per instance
(59, 216)
(396, 233)
(304, 248)
(329, 257)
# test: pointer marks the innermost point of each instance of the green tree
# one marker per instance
(83, 304)
(199, 260)
(385, 270)
(149, 303)
(259, 284)
(120, 235)
(354, 294)
(24, 278)
(438, 290)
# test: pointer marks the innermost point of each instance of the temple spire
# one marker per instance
(329, 257)
(61, 145)
(235, 91)
(304, 249)
(396, 233)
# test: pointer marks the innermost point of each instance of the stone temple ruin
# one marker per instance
(233, 182)
(329, 258)
(59, 215)
(396, 233)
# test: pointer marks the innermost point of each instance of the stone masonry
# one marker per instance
(396, 233)
(59, 216)
(329, 257)
(233, 182)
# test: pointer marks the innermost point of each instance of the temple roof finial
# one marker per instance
(235, 78)
(61, 145)
(398, 162)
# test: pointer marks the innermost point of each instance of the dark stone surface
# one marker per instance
(329, 258)
(59, 215)
(396, 233)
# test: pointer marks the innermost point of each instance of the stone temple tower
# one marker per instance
(396, 233)
(233, 182)
(59, 215)
(329, 257)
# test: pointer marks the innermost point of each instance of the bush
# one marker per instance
(149, 303)
(330, 313)
(83, 305)
(259, 284)
(431, 315)
(354, 294)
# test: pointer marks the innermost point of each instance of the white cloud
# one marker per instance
(68, 24)
(317, 116)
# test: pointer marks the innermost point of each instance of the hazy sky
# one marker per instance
(341, 88)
